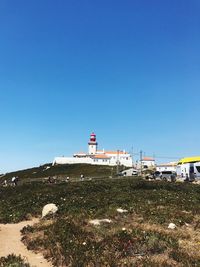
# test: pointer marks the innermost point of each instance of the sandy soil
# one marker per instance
(10, 242)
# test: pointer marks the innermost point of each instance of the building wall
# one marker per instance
(92, 148)
(101, 162)
(148, 163)
(123, 159)
(126, 161)
(71, 160)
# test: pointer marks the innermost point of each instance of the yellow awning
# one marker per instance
(189, 160)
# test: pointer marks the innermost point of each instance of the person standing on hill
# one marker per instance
(13, 180)
(5, 184)
(16, 180)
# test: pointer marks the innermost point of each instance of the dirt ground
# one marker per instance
(10, 242)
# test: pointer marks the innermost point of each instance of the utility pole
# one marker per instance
(141, 161)
(132, 154)
(117, 161)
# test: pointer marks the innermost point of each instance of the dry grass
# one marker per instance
(139, 237)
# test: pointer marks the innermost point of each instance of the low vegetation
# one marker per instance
(13, 261)
(139, 237)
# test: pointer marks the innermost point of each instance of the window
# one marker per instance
(198, 168)
(191, 169)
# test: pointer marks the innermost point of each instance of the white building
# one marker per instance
(148, 162)
(97, 157)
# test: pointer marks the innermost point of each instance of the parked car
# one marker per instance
(121, 174)
(156, 174)
(168, 176)
(134, 173)
(148, 175)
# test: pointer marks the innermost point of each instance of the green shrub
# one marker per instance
(13, 261)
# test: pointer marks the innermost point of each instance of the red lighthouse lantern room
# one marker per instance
(93, 137)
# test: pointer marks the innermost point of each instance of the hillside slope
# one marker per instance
(61, 171)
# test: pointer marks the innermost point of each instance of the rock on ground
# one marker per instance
(172, 226)
(98, 222)
(49, 209)
(121, 210)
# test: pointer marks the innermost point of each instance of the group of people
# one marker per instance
(82, 178)
(51, 180)
(14, 181)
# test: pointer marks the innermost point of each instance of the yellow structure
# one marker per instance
(189, 160)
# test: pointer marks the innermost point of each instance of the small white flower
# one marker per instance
(84, 243)
(121, 210)
(123, 229)
(172, 226)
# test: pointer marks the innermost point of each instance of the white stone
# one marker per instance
(98, 222)
(106, 220)
(172, 226)
(121, 210)
(49, 209)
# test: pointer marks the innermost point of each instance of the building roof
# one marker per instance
(115, 152)
(101, 156)
(148, 159)
(169, 164)
(189, 160)
(80, 153)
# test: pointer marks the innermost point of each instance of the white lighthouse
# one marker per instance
(92, 144)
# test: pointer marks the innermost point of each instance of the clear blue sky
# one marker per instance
(128, 70)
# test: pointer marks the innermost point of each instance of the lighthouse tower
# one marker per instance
(92, 144)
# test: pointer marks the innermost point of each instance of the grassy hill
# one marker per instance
(62, 171)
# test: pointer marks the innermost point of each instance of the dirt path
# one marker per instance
(10, 242)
